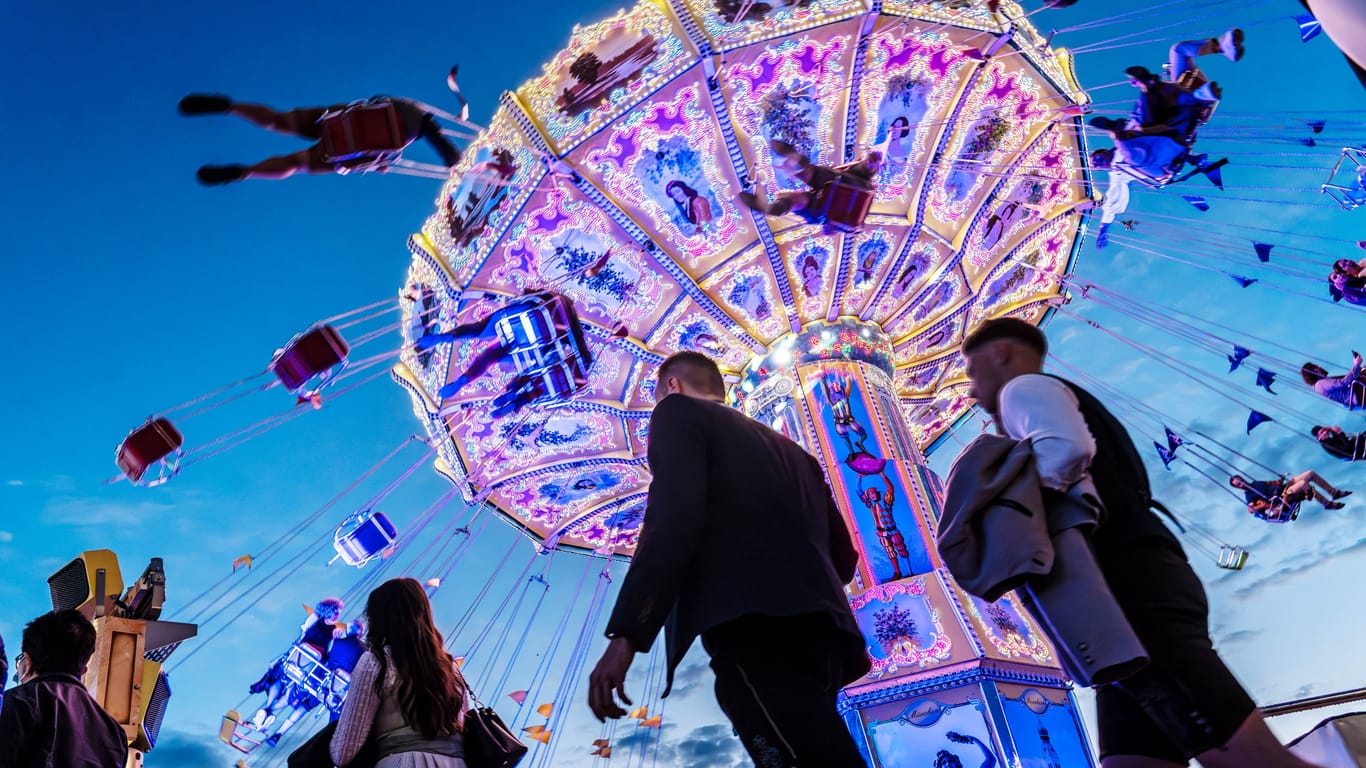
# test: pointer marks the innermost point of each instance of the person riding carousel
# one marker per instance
(1348, 390)
(497, 352)
(405, 121)
(317, 634)
(1176, 105)
(1347, 281)
(1340, 444)
(816, 204)
(1279, 500)
(1143, 157)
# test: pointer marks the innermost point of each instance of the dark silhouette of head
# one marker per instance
(58, 642)
(693, 374)
(1312, 373)
(947, 759)
(401, 632)
(1102, 159)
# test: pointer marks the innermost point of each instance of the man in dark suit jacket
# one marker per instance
(743, 545)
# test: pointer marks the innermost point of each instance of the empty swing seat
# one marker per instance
(368, 129)
(363, 537)
(1231, 558)
(156, 441)
(308, 356)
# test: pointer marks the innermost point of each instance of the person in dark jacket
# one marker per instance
(732, 503)
(1186, 703)
(52, 721)
(1341, 445)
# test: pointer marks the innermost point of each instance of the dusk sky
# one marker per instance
(168, 290)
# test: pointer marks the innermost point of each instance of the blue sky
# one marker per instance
(128, 288)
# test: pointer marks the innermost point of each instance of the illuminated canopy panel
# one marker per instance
(612, 178)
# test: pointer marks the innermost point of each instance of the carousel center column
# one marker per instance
(955, 681)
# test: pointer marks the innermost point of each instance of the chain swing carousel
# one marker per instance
(615, 180)
(825, 196)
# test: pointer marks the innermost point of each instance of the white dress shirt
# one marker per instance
(1043, 410)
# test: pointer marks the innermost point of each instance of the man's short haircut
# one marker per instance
(1140, 74)
(696, 370)
(1006, 329)
(61, 641)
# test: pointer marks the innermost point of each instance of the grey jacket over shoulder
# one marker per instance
(1000, 530)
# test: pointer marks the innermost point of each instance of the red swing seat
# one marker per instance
(842, 206)
(308, 356)
(364, 136)
(156, 441)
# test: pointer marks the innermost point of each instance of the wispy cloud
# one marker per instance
(91, 511)
(15, 483)
(6, 537)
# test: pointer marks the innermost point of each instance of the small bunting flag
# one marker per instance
(1263, 251)
(653, 722)
(1242, 281)
(1309, 27)
(1197, 201)
(640, 713)
(1255, 418)
(518, 696)
(1265, 379)
(1174, 440)
(244, 560)
(1167, 456)
(598, 265)
(545, 709)
(1236, 359)
(538, 732)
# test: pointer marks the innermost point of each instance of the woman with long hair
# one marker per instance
(692, 206)
(1348, 390)
(406, 693)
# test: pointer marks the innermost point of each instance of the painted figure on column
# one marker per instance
(849, 429)
(880, 503)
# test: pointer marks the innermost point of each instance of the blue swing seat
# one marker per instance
(363, 536)
(547, 346)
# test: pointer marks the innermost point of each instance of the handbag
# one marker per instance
(316, 752)
(488, 741)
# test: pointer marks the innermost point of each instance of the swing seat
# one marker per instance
(155, 442)
(363, 537)
(363, 132)
(1346, 184)
(336, 690)
(239, 734)
(841, 206)
(533, 325)
(304, 668)
(546, 336)
(309, 358)
(1279, 512)
(1231, 558)
(562, 380)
